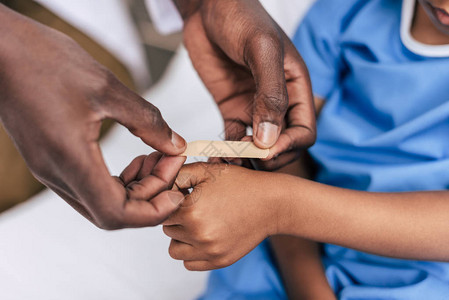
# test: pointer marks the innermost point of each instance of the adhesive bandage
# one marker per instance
(229, 149)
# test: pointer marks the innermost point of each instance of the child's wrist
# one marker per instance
(276, 197)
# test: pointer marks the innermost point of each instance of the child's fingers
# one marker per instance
(192, 175)
(177, 217)
(182, 251)
(171, 221)
(177, 232)
(199, 265)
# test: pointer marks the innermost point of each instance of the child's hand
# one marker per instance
(228, 213)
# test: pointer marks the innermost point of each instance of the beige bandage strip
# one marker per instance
(229, 149)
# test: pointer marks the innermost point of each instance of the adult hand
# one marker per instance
(53, 98)
(222, 219)
(254, 73)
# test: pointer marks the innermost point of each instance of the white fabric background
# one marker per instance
(48, 251)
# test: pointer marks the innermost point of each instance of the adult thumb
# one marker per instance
(266, 61)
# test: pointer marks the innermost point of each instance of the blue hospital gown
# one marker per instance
(385, 127)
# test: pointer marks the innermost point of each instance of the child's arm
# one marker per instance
(235, 209)
(298, 259)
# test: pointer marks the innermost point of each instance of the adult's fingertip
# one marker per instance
(267, 134)
(178, 141)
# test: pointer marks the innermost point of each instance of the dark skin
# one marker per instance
(427, 28)
(198, 241)
(255, 74)
(54, 97)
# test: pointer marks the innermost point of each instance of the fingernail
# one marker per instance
(267, 133)
(176, 197)
(177, 140)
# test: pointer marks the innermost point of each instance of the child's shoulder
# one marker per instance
(340, 14)
(337, 9)
(339, 5)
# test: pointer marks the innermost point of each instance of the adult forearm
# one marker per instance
(13, 28)
(11, 32)
(410, 225)
(20, 38)
(8, 21)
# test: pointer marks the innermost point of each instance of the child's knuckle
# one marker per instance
(214, 250)
(173, 252)
(221, 262)
(190, 266)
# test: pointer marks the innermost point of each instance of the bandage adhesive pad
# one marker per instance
(231, 149)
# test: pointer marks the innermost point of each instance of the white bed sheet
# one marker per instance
(48, 251)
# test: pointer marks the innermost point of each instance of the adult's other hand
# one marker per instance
(53, 98)
(254, 73)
